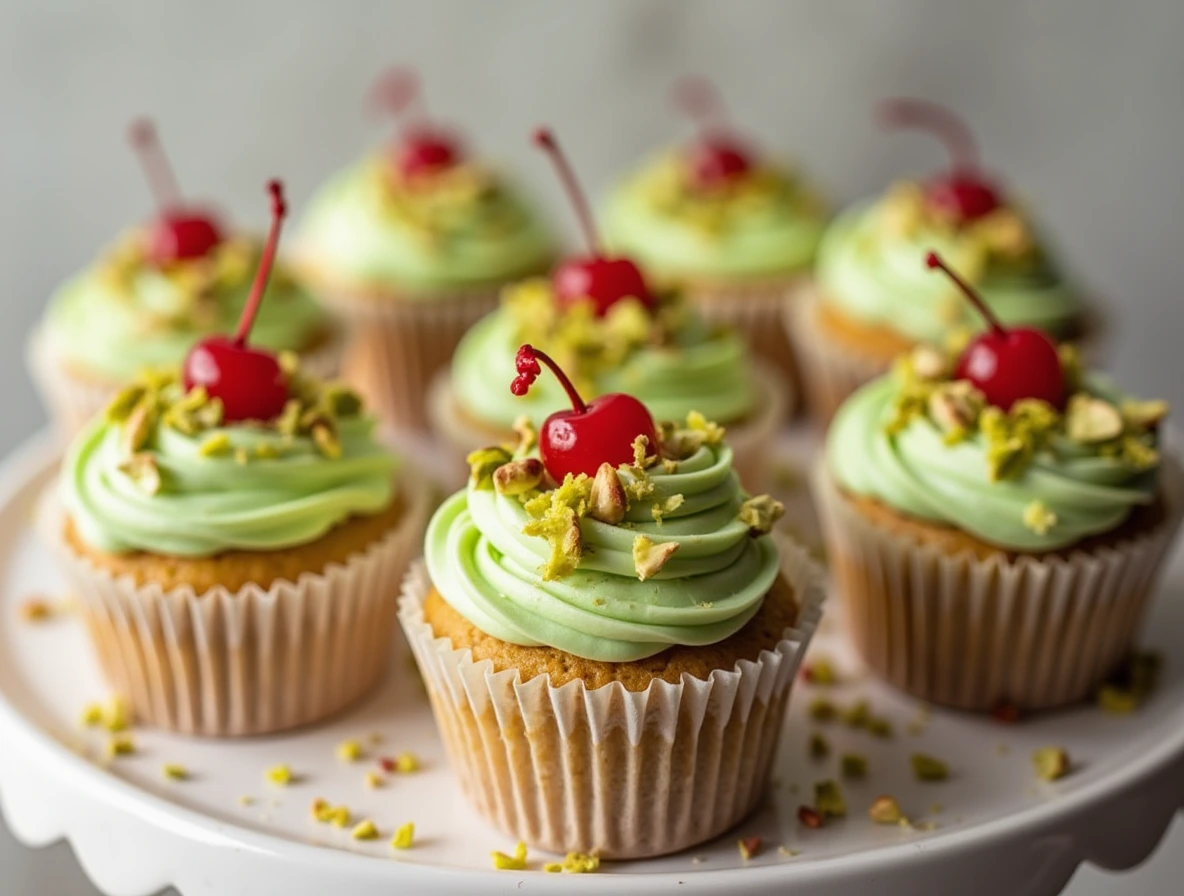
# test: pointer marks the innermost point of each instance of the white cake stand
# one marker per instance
(991, 828)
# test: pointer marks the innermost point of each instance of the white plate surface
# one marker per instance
(993, 827)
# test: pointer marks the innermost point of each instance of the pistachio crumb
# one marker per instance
(885, 810)
(280, 775)
(607, 501)
(215, 445)
(245, 800)
(120, 745)
(858, 714)
(364, 830)
(92, 715)
(822, 710)
(115, 714)
(518, 477)
(853, 765)
(787, 852)
(1039, 518)
(819, 747)
(405, 763)
(404, 836)
(928, 768)
(349, 751)
(649, 557)
(880, 727)
(374, 780)
(820, 671)
(175, 772)
(516, 862)
(750, 847)
(1051, 763)
(760, 514)
(828, 799)
(581, 863)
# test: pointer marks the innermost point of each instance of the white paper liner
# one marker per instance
(754, 308)
(1030, 632)
(398, 343)
(254, 661)
(750, 440)
(619, 773)
(73, 401)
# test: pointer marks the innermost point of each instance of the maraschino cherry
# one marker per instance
(249, 381)
(603, 279)
(717, 157)
(602, 430)
(964, 192)
(179, 232)
(423, 147)
(1007, 365)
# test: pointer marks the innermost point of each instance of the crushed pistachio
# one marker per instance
(1142, 416)
(92, 715)
(280, 775)
(116, 716)
(885, 810)
(1016, 436)
(405, 763)
(1039, 518)
(518, 477)
(649, 557)
(349, 751)
(516, 862)
(364, 830)
(526, 434)
(404, 836)
(928, 768)
(1091, 420)
(820, 671)
(858, 714)
(787, 852)
(760, 514)
(823, 710)
(828, 799)
(141, 469)
(1051, 763)
(642, 458)
(877, 726)
(575, 863)
(929, 362)
(661, 508)
(955, 408)
(1132, 684)
(819, 746)
(555, 515)
(750, 847)
(215, 445)
(607, 501)
(853, 765)
(246, 800)
(713, 433)
(120, 745)
(175, 772)
(373, 780)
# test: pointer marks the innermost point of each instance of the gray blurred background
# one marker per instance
(1078, 103)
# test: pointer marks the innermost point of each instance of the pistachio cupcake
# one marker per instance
(411, 245)
(602, 321)
(996, 521)
(872, 302)
(608, 631)
(729, 226)
(233, 530)
(162, 287)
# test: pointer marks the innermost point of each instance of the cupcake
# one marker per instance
(411, 246)
(613, 333)
(608, 631)
(151, 296)
(871, 301)
(717, 219)
(235, 534)
(996, 521)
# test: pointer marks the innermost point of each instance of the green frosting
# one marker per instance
(195, 490)
(492, 573)
(767, 224)
(1062, 488)
(463, 228)
(871, 267)
(124, 315)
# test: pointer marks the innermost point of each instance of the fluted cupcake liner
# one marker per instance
(754, 308)
(619, 773)
(397, 343)
(1033, 632)
(750, 439)
(73, 400)
(252, 661)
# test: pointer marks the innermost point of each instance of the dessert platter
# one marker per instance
(544, 593)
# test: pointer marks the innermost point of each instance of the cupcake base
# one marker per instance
(74, 398)
(954, 624)
(750, 439)
(625, 772)
(247, 657)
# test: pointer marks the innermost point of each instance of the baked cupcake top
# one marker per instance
(235, 450)
(166, 284)
(617, 566)
(867, 260)
(715, 209)
(420, 215)
(1004, 438)
(664, 353)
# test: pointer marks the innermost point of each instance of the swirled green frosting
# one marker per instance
(188, 485)
(1063, 482)
(871, 267)
(461, 228)
(489, 570)
(766, 224)
(123, 315)
(693, 367)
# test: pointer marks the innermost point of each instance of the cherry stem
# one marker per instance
(279, 208)
(398, 89)
(949, 128)
(933, 260)
(545, 140)
(161, 179)
(529, 352)
(699, 100)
